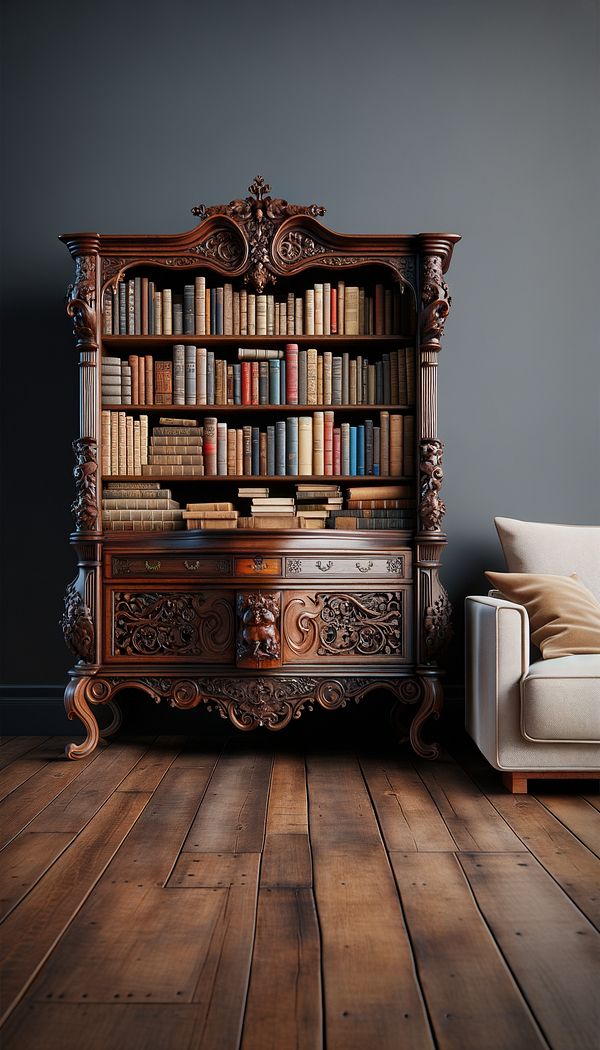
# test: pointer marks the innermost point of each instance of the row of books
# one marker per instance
(294, 377)
(138, 307)
(145, 506)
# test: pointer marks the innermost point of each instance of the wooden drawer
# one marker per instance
(355, 566)
(163, 565)
(257, 566)
(346, 626)
(174, 625)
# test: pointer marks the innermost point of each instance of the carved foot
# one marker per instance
(407, 692)
(431, 704)
(76, 707)
(115, 723)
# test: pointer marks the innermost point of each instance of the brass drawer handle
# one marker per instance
(192, 566)
(152, 566)
(364, 568)
(324, 566)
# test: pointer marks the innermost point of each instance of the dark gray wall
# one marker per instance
(464, 116)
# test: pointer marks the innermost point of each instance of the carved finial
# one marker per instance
(259, 187)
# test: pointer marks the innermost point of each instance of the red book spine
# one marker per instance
(210, 445)
(334, 311)
(378, 309)
(255, 400)
(337, 452)
(291, 373)
(246, 383)
(328, 442)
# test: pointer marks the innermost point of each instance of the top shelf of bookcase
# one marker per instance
(139, 341)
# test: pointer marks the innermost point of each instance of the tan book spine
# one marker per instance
(309, 311)
(371, 385)
(144, 438)
(360, 492)
(351, 303)
(274, 521)
(239, 451)
(144, 304)
(311, 375)
(219, 385)
(326, 308)
(270, 314)
(163, 382)
(251, 313)
(114, 442)
(361, 311)
(141, 370)
(290, 314)
(162, 441)
(122, 443)
(142, 515)
(299, 316)
(318, 301)
(261, 314)
(341, 288)
(217, 515)
(327, 377)
(396, 445)
(352, 384)
(319, 380)
(231, 450)
(318, 443)
(305, 444)
(107, 313)
(149, 374)
(129, 457)
(210, 506)
(227, 309)
(200, 305)
(167, 311)
(134, 364)
(409, 445)
(158, 313)
(201, 375)
(105, 432)
(174, 470)
(243, 312)
(211, 523)
(277, 319)
(137, 447)
(162, 459)
(384, 424)
(236, 313)
(262, 453)
(208, 320)
(359, 379)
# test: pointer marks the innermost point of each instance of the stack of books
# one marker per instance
(124, 443)
(140, 507)
(116, 381)
(176, 449)
(210, 516)
(315, 503)
(266, 511)
(376, 507)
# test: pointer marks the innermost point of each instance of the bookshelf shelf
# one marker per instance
(260, 620)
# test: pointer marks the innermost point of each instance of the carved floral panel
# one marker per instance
(173, 624)
(345, 626)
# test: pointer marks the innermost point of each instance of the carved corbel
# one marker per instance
(436, 302)
(85, 471)
(81, 303)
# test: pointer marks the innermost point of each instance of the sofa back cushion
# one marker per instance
(532, 546)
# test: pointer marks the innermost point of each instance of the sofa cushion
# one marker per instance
(563, 614)
(560, 700)
(532, 546)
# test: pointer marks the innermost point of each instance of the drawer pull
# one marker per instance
(364, 568)
(324, 566)
(152, 566)
(192, 566)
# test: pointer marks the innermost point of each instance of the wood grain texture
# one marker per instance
(576, 814)
(472, 998)
(407, 814)
(59, 1026)
(552, 950)
(232, 816)
(12, 747)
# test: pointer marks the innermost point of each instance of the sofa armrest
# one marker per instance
(497, 658)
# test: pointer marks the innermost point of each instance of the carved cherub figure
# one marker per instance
(259, 631)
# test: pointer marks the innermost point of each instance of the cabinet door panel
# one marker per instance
(170, 625)
(346, 626)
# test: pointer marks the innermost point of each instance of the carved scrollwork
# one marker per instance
(431, 507)
(436, 302)
(81, 303)
(294, 566)
(258, 633)
(122, 566)
(78, 626)
(395, 565)
(261, 215)
(297, 245)
(85, 471)
(358, 624)
(437, 625)
(172, 624)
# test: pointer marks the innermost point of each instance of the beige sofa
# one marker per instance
(531, 717)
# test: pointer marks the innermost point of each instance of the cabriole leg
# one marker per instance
(76, 707)
(431, 705)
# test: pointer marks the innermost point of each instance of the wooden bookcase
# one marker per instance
(335, 614)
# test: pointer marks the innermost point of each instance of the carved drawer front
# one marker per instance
(170, 625)
(356, 566)
(347, 626)
(258, 566)
(170, 565)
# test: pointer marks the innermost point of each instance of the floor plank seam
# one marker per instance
(567, 828)
(197, 810)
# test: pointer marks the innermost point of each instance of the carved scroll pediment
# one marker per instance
(221, 244)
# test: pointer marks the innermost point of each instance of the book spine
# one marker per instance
(105, 437)
(291, 441)
(336, 381)
(134, 364)
(246, 383)
(177, 305)
(263, 382)
(222, 448)
(137, 295)
(310, 444)
(302, 377)
(396, 445)
(189, 313)
(384, 424)
(290, 315)
(327, 443)
(129, 461)
(179, 374)
(237, 383)
(247, 446)
(371, 384)
(298, 317)
(243, 312)
(326, 308)
(341, 306)
(345, 449)
(351, 310)
(208, 318)
(201, 375)
(394, 377)
(228, 309)
(261, 315)
(311, 376)
(254, 383)
(239, 450)
(318, 307)
(271, 315)
(337, 452)
(210, 445)
(369, 446)
(220, 304)
(361, 311)
(149, 379)
(353, 450)
(131, 306)
(236, 313)
(255, 451)
(291, 374)
(158, 313)
(163, 382)
(167, 312)
(379, 309)
(352, 391)
(280, 447)
(360, 449)
(122, 443)
(190, 375)
(107, 308)
(210, 377)
(271, 450)
(327, 377)
(274, 382)
(251, 313)
(200, 305)
(319, 380)
(376, 451)
(262, 453)
(309, 311)
(122, 308)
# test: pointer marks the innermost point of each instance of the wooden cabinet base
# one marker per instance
(250, 701)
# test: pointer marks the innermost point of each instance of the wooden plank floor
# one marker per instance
(253, 894)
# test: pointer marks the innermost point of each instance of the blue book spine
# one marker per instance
(360, 450)
(291, 440)
(281, 383)
(274, 384)
(271, 450)
(255, 451)
(237, 383)
(210, 377)
(280, 445)
(353, 450)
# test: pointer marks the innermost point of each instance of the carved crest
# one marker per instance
(261, 215)
(431, 507)
(85, 471)
(77, 625)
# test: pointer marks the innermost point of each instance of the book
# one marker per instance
(210, 445)
(305, 444)
(291, 445)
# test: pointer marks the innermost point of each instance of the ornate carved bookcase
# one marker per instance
(354, 611)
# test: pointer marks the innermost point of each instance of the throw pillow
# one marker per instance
(564, 615)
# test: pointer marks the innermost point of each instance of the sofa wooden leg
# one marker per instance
(515, 782)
